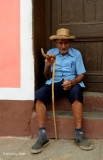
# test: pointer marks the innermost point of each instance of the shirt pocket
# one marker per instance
(73, 65)
(70, 67)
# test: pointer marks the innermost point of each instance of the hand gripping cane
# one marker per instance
(53, 75)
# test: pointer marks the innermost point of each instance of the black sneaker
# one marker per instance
(39, 146)
(84, 144)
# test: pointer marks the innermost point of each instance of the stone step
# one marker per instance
(93, 102)
(92, 124)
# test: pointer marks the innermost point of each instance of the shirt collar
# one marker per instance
(70, 52)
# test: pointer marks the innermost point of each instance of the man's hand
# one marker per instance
(49, 60)
(67, 84)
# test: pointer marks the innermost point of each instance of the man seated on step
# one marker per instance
(69, 73)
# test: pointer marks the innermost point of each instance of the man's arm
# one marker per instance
(69, 83)
(47, 70)
(78, 79)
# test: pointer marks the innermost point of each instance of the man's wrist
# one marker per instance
(73, 82)
(48, 66)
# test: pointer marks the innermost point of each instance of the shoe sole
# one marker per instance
(88, 148)
(39, 150)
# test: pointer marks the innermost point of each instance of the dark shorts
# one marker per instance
(45, 93)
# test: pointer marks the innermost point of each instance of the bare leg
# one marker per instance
(42, 140)
(77, 108)
(40, 113)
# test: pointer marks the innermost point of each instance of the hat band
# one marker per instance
(63, 35)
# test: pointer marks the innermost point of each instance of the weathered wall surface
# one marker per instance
(16, 67)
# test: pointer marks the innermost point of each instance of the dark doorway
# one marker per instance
(38, 40)
(84, 19)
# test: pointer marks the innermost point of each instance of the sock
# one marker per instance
(79, 134)
(42, 133)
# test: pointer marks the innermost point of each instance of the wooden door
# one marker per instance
(85, 20)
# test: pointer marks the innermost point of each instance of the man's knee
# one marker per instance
(77, 102)
(76, 94)
(39, 102)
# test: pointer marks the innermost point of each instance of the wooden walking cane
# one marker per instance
(53, 75)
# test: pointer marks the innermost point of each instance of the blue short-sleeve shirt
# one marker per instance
(68, 66)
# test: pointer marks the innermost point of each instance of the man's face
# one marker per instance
(63, 45)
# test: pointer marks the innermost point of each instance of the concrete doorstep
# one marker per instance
(92, 102)
(92, 125)
(14, 148)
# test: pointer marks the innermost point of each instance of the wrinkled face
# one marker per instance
(63, 45)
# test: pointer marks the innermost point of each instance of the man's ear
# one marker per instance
(55, 42)
(71, 41)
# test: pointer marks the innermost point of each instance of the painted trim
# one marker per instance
(10, 44)
(26, 91)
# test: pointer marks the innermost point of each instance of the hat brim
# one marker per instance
(54, 37)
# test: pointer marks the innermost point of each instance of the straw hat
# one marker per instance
(62, 33)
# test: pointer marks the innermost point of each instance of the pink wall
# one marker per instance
(10, 43)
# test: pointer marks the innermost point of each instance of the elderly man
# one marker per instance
(69, 73)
